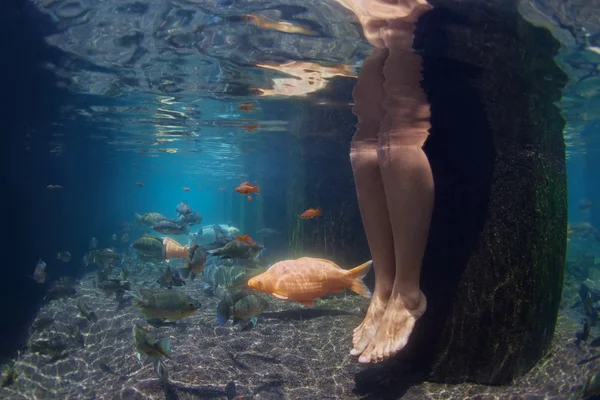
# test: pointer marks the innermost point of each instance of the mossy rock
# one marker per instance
(494, 266)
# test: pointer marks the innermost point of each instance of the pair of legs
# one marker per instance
(395, 189)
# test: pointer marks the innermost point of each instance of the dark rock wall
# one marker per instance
(494, 265)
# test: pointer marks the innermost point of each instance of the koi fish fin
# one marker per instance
(280, 296)
(356, 275)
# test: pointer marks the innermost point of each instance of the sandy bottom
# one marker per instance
(293, 353)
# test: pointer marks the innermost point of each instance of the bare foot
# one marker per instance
(367, 329)
(395, 328)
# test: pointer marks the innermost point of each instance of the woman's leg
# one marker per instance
(409, 189)
(368, 98)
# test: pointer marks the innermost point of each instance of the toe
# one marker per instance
(366, 357)
(360, 345)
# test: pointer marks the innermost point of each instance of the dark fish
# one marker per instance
(169, 304)
(105, 257)
(55, 346)
(115, 286)
(195, 263)
(146, 343)
(168, 279)
(84, 310)
(584, 334)
(222, 237)
(237, 249)
(150, 246)
(149, 219)
(106, 368)
(193, 218)
(242, 309)
(63, 256)
(171, 228)
(183, 208)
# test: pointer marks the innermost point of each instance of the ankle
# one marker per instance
(383, 290)
(411, 298)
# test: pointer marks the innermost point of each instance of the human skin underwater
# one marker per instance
(394, 182)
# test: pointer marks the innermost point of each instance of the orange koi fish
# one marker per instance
(311, 213)
(306, 279)
(245, 238)
(247, 188)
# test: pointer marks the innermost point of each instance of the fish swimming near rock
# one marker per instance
(213, 236)
(168, 304)
(149, 245)
(193, 218)
(63, 256)
(106, 257)
(110, 286)
(195, 262)
(39, 273)
(146, 343)
(149, 219)
(305, 279)
(169, 279)
(237, 249)
(243, 307)
(171, 228)
(183, 209)
(85, 311)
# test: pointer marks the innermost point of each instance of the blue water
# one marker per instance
(97, 97)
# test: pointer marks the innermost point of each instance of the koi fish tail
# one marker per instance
(356, 275)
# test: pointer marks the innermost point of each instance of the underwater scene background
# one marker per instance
(118, 116)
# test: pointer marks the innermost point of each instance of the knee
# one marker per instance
(407, 141)
(363, 151)
(389, 149)
(384, 151)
